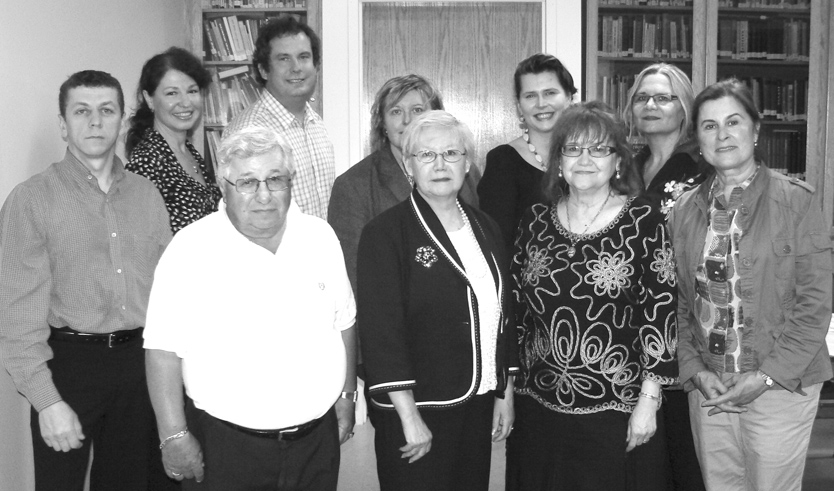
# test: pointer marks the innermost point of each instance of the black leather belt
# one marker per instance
(289, 434)
(109, 340)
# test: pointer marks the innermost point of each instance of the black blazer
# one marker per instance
(417, 313)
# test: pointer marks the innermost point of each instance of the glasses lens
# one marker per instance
(247, 186)
(600, 151)
(277, 183)
(641, 99)
(426, 156)
(662, 99)
(571, 150)
(452, 155)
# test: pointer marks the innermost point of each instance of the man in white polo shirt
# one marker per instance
(251, 310)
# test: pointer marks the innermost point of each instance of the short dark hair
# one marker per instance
(731, 87)
(592, 121)
(738, 90)
(277, 28)
(541, 63)
(154, 70)
(89, 78)
(391, 92)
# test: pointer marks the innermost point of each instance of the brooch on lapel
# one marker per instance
(425, 256)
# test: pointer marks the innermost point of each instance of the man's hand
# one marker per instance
(346, 416)
(712, 388)
(183, 459)
(748, 387)
(60, 427)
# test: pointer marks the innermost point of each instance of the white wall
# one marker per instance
(41, 43)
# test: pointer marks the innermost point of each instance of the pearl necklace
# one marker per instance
(483, 267)
(574, 238)
(532, 149)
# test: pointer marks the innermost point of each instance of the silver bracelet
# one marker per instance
(657, 399)
(175, 436)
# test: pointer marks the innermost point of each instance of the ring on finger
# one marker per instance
(175, 474)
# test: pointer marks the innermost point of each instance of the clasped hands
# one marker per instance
(731, 395)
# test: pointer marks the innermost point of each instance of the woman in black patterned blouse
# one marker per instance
(594, 284)
(169, 105)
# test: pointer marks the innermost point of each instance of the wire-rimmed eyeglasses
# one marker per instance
(427, 156)
(250, 185)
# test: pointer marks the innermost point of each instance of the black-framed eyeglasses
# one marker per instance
(427, 156)
(250, 185)
(659, 99)
(596, 151)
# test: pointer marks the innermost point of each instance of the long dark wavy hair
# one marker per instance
(153, 71)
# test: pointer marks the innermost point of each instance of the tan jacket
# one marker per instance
(785, 264)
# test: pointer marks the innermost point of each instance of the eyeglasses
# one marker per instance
(659, 99)
(250, 185)
(427, 156)
(596, 151)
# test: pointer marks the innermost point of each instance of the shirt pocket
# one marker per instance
(145, 251)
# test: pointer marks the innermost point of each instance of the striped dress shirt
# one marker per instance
(72, 255)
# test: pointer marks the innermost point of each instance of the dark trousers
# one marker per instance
(551, 451)
(460, 454)
(235, 461)
(107, 390)
(683, 461)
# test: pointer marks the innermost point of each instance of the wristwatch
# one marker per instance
(767, 380)
(354, 395)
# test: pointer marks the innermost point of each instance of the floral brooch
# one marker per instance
(425, 256)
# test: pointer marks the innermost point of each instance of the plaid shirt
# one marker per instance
(315, 163)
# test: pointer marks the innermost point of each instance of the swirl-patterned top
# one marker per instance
(593, 326)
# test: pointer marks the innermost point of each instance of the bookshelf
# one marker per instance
(780, 48)
(223, 35)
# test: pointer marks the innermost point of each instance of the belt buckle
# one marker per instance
(110, 338)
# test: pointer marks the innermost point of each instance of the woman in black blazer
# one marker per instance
(438, 350)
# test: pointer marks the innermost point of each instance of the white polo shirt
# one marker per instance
(259, 334)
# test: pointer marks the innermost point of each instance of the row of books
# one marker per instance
(213, 142)
(765, 4)
(254, 4)
(645, 36)
(648, 3)
(769, 39)
(783, 100)
(785, 151)
(229, 94)
(232, 38)
(614, 90)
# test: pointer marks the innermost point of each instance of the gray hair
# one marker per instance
(441, 119)
(251, 142)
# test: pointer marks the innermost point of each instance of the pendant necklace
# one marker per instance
(574, 238)
(532, 148)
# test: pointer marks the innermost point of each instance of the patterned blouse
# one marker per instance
(593, 326)
(186, 199)
(717, 308)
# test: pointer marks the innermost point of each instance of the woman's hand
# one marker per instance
(748, 387)
(503, 414)
(417, 434)
(712, 388)
(643, 423)
(417, 437)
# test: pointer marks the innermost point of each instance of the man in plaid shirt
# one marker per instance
(288, 57)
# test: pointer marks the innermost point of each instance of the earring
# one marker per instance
(756, 143)
(617, 175)
(560, 171)
(699, 152)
